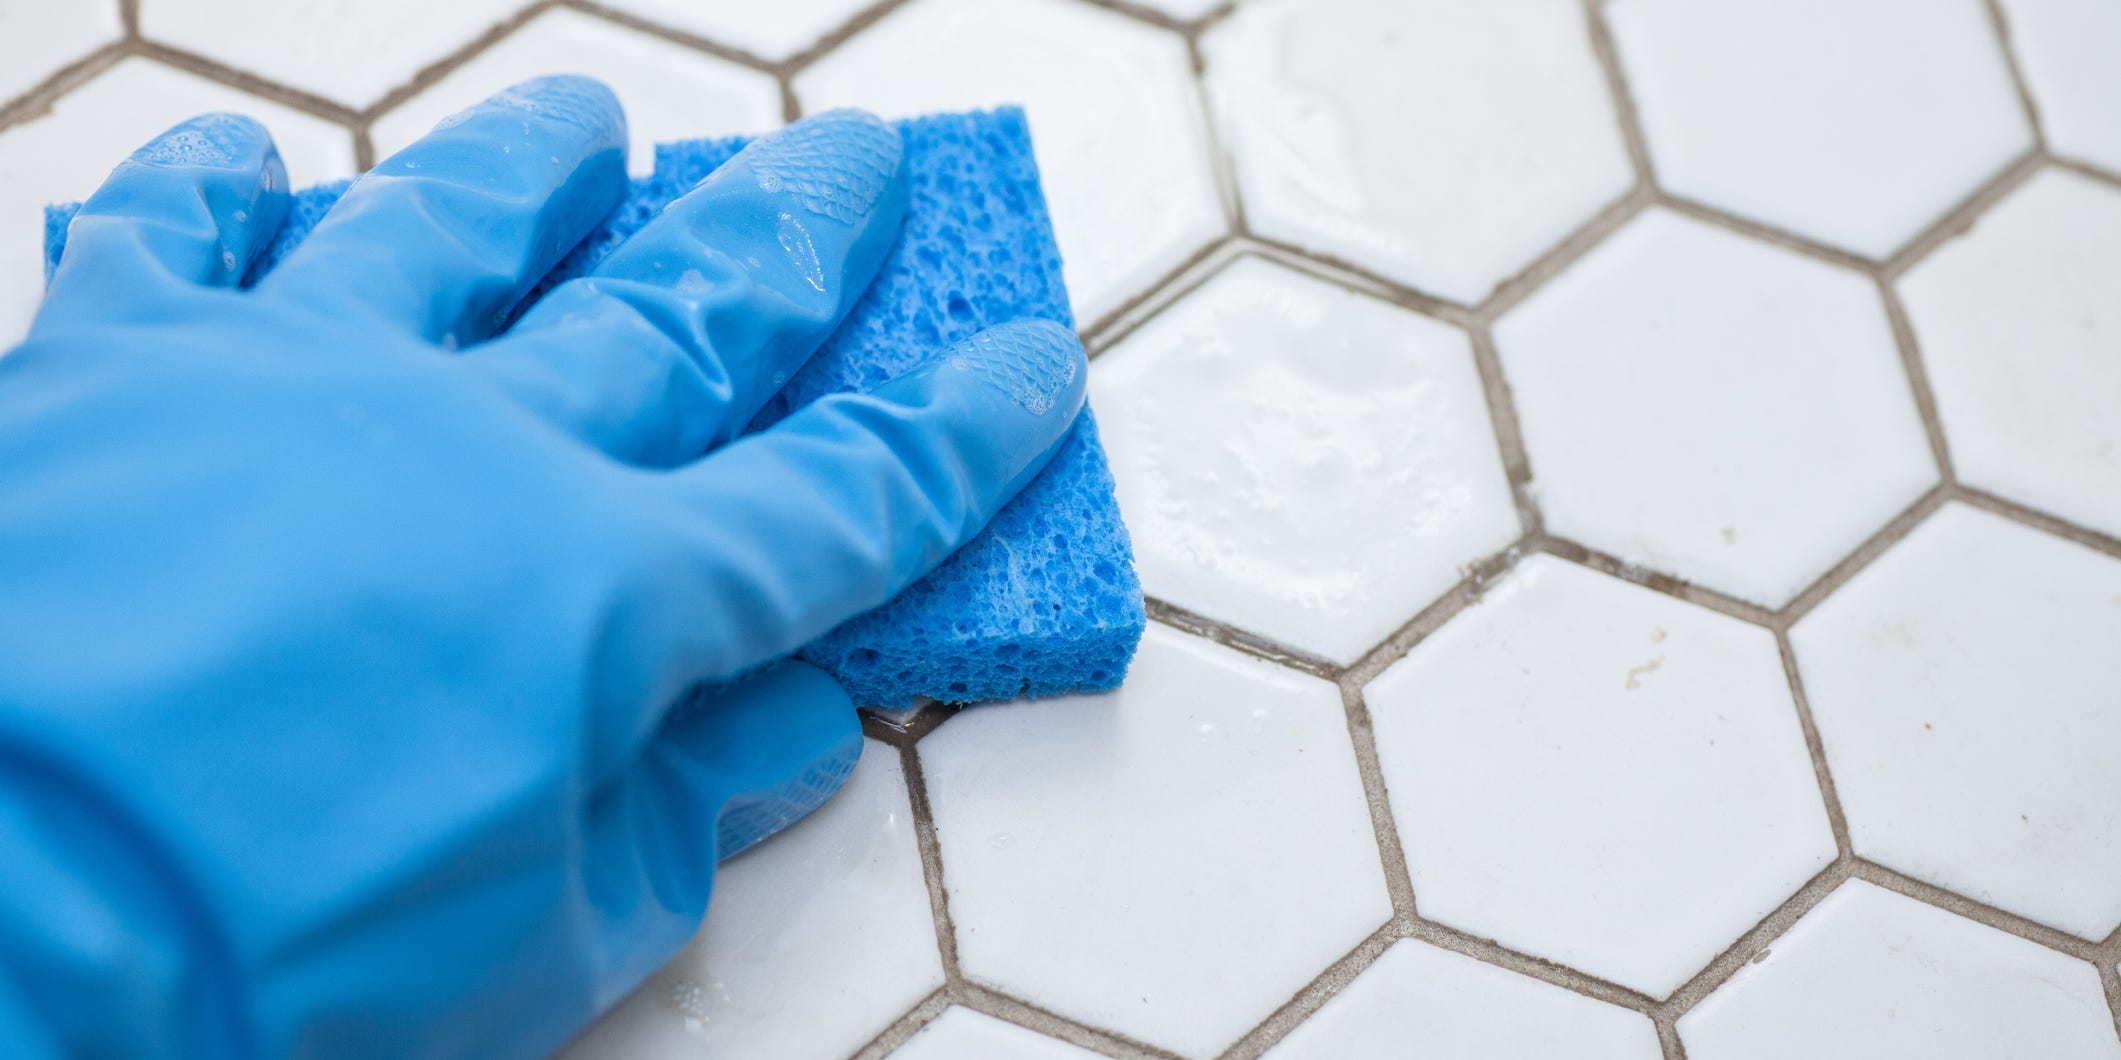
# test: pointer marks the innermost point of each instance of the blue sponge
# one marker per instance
(1046, 600)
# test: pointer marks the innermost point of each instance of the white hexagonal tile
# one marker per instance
(1444, 144)
(1600, 775)
(1121, 140)
(1307, 463)
(670, 92)
(1714, 407)
(1856, 123)
(1173, 860)
(1966, 687)
(772, 31)
(962, 1034)
(38, 38)
(2021, 335)
(815, 940)
(1869, 973)
(2065, 53)
(1420, 1000)
(351, 53)
(62, 157)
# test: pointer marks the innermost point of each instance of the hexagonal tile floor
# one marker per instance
(1630, 492)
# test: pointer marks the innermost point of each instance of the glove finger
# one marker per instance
(678, 337)
(721, 774)
(446, 236)
(195, 205)
(785, 534)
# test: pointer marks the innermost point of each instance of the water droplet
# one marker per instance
(228, 260)
(1001, 840)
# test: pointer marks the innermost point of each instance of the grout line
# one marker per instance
(2001, 25)
(2089, 170)
(1814, 745)
(37, 101)
(1509, 432)
(1962, 216)
(448, 64)
(1764, 232)
(1625, 112)
(1979, 912)
(129, 18)
(1356, 277)
(1668, 1038)
(673, 34)
(2038, 520)
(1757, 941)
(1513, 290)
(1478, 576)
(861, 20)
(931, 851)
(1314, 994)
(1489, 951)
(1054, 1025)
(251, 84)
(1095, 332)
(919, 1016)
(1896, 528)
(1232, 637)
(1176, 285)
(1918, 381)
(1399, 882)
(1670, 585)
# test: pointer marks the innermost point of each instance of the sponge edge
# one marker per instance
(1045, 601)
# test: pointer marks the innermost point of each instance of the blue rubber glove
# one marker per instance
(375, 685)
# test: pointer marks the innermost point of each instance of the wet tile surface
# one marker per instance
(1485, 774)
(1714, 407)
(1966, 686)
(1667, 752)
(1213, 793)
(1870, 973)
(1331, 472)
(1441, 143)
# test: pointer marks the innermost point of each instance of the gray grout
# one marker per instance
(903, 734)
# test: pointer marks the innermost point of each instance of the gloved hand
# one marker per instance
(351, 655)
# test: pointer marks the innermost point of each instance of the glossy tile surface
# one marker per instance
(1212, 794)
(1420, 1000)
(1330, 472)
(2065, 52)
(962, 1034)
(772, 31)
(2021, 334)
(1714, 407)
(1115, 118)
(62, 157)
(1444, 144)
(1869, 973)
(1883, 113)
(814, 943)
(1965, 686)
(669, 92)
(352, 54)
(1569, 759)
(39, 38)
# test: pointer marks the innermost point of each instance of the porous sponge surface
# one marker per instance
(1045, 601)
